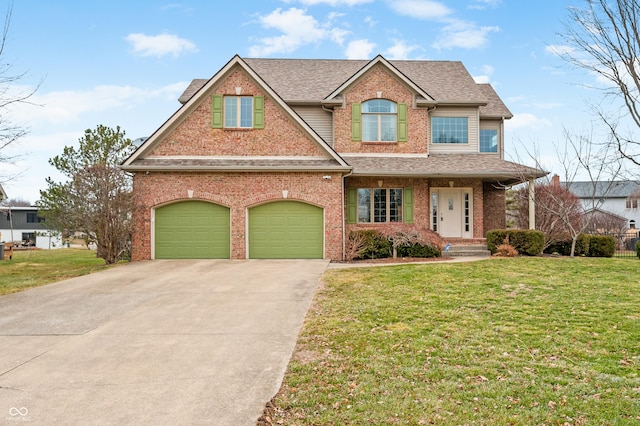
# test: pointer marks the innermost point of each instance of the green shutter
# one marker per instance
(402, 122)
(408, 205)
(258, 112)
(216, 111)
(356, 122)
(352, 205)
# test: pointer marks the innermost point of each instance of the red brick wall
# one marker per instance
(280, 136)
(494, 207)
(238, 191)
(379, 79)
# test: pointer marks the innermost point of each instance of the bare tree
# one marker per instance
(17, 202)
(10, 132)
(560, 213)
(604, 38)
(96, 198)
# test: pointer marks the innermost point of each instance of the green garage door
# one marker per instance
(286, 230)
(192, 230)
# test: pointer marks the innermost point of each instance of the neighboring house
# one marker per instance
(620, 198)
(25, 228)
(283, 158)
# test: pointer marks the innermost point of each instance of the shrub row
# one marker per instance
(527, 242)
(375, 245)
(586, 245)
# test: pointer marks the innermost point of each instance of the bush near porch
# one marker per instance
(526, 242)
(393, 242)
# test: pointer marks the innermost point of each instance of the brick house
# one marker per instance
(282, 158)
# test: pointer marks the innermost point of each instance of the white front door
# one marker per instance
(452, 212)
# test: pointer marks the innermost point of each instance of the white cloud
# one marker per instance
(335, 2)
(298, 29)
(420, 9)
(400, 50)
(159, 45)
(559, 49)
(484, 4)
(67, 106)
(360, 49)
(528, 121)
(369, 21)
(464, 34)
(485, 77)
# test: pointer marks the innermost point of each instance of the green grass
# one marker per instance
(33, 268)
(526, 341)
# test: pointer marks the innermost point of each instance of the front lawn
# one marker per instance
(31, 268)
(526, 341)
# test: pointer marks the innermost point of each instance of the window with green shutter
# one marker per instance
(402, 122)
(237, 112)
(352, 205)
(356, 122)
(258, 112)
(216, 111)
(408, 205)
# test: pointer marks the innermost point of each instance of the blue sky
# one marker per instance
(126, 63)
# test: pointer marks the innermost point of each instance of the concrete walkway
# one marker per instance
(161, 342)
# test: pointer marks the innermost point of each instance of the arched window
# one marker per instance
(379, 121)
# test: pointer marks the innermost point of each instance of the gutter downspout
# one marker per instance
(344, 226)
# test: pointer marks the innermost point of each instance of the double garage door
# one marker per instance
(201, 230)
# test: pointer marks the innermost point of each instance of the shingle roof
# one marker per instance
(235, 164)
(603, 189)
(297, 80)
(488, 167)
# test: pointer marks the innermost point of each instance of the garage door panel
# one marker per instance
(192, 230)
(286, 230)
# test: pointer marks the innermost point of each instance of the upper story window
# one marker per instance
(379, 121)
(34, 218)
(632, 202)
(488, 140)
(238, 111)
(450, 130)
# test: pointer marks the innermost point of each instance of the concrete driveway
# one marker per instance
(159, 342)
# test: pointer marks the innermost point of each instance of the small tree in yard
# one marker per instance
(559, 213)
(96, 199)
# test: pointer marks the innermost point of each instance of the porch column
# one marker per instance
(532, 204)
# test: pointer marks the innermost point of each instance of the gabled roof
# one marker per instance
(134, 162)
(379, 60)
(313, 80)
(603, 189)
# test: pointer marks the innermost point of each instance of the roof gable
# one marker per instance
(199, 96)
(364, 70)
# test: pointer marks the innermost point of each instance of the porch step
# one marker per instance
(460, 250)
